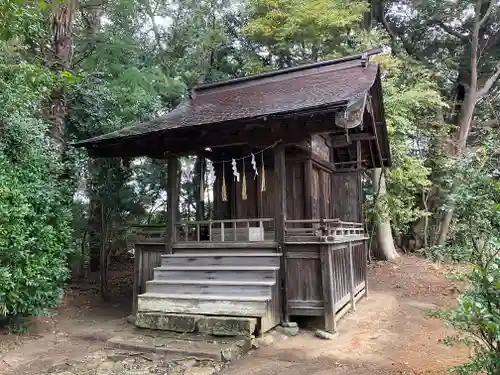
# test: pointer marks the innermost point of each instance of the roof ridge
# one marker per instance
(272, 73)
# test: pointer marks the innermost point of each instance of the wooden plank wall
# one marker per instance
(325, 278)
(329, 194)
(147, 257)
(305, 291)
(346, 197)
(259, 204)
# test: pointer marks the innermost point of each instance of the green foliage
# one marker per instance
(477, 239)
(298, 30)
(34, 218)
(411, 101)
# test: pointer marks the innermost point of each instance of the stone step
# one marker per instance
(221, 259)
(218, 273)
(184, 345)
(201, 324)
(229, 288)
(204, 304)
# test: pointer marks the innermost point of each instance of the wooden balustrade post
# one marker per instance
(365, 259)
(327, 277)
(137, 279)
(351, 275)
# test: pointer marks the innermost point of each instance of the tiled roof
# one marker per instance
(285, 91)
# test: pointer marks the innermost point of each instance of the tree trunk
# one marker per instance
(199, 186)
(385, 242)
(94, 219)
(464, 125)
(62, 47)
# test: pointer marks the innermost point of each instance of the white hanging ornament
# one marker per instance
(244, 184)
(210, 168)
(263, 176)
(224, 189)
(235, 171)
(254, 166)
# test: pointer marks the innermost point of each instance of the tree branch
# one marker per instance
(448, 29)
(397, 35)
(489, 82)
(487, 13)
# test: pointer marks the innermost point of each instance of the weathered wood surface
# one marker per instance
(172, 195)
(304, 277)
(221, 259)
(347, 205)
(204, 304)
(146, 258)
(262, 274)
(211, 287)
(231, 230)
(324, 278)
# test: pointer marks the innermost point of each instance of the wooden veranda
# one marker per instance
(286, 237)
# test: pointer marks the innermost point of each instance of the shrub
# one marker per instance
(34, 214)
(477, 240)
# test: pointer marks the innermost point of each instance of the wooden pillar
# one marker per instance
(172, 200)
(308, 170)
(322, 206)
(138, 269)
(351, 275)
(279, 222)
(328, 280)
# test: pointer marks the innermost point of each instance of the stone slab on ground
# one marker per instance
(204, 324)
(115, 362)
(226, 326)
(167, 322)
(187, 345)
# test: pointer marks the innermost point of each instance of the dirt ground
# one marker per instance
(390, 333)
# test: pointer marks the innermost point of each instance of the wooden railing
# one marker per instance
(234, 230)
(326, 230)
(342, 280)
(148, 233)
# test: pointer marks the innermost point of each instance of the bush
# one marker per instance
(478, 314)
(34, 214)
(477, 240)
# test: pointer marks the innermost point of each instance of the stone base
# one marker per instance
(188, 323)
(185, 345)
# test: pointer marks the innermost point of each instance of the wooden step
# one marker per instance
(224, 245)
(221, 259)
(216, 273)
(204, 287)
(249, 306)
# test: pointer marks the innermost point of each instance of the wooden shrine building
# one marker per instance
(286, 238)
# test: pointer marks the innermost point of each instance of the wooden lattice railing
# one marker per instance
(327, 230)
(235, 230)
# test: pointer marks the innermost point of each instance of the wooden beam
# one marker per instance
(340, 141)
(358, 155)
(377, 142)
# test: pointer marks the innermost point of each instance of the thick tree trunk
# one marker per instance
(62, 47)
(464, 125)
(385, 241)
(200, 188)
